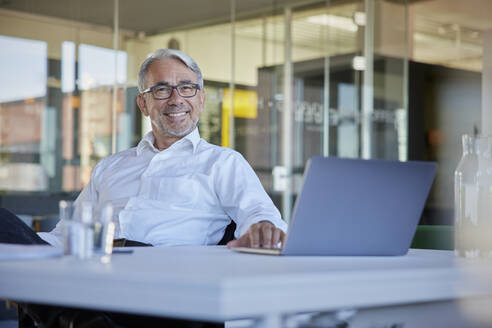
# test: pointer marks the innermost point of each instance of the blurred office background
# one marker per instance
(285, 80)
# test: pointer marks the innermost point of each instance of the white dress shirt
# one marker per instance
(183, 195)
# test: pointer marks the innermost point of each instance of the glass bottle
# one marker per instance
(484, 196)
(466, 199)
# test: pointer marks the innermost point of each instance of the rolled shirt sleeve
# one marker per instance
(242, 195)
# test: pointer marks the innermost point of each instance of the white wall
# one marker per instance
(487, 83)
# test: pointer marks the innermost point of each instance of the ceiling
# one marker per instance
(472, 14)
(149, 16)
(445, 31)
(159, 16)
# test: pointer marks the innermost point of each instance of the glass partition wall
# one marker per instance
(58, 80)
(284, 82)
(345, 94)
(295, 82)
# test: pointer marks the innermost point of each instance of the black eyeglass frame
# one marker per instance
(196, 86)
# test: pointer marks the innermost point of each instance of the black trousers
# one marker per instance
(14, 231)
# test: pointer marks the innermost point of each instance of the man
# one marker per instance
(174, 188)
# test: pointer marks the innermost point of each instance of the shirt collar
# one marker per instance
(148, 141)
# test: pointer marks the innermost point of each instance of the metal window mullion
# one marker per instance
(233, 75)
(287, 117)
(368, 84)
(406, 80)
(115, 82)
(326, 93)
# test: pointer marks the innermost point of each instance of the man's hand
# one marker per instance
(260, 235)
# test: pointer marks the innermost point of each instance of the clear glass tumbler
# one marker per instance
(66, 211)
(104, 229)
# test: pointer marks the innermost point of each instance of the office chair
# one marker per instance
(228, 234)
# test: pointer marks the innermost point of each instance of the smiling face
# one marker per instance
(175, 117)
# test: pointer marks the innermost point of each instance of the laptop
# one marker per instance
(356, 207)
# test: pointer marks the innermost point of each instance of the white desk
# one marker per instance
(213, 283)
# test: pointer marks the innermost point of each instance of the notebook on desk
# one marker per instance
(355, 207)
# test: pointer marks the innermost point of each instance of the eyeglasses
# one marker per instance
(162, 91)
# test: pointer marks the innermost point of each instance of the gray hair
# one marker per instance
(161, 54)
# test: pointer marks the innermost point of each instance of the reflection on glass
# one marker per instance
(68, 66)
(97, 66)
(23, 85)
(24, 68)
